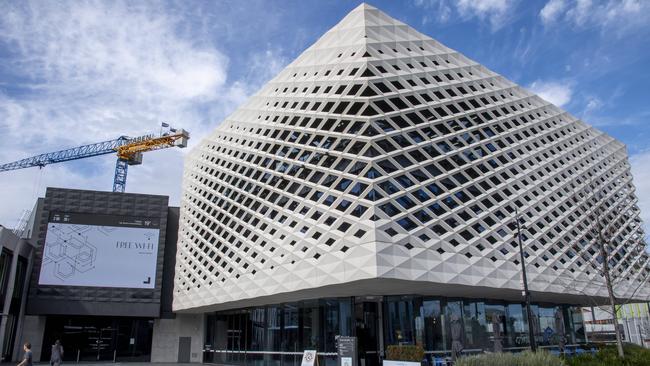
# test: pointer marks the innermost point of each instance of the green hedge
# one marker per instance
(405, 353)
(606, 356)
(634, 356)
(511, 359)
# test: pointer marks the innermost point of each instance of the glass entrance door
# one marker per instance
(94, 339)
(368, 331)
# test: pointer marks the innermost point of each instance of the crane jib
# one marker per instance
(123, 145)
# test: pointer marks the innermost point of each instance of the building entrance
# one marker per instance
(368, 331)
(99, 338)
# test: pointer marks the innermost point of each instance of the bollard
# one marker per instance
(78, 354)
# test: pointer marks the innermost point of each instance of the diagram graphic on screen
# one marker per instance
(80, 251)
(70, 253)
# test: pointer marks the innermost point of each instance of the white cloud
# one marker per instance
(558, 93)
(97, 70)
(580, 12)
(551, 11)
(266, 64)
(91, 71)
(614, 16)
(641, 175)
(496, 12)
(593, 104)
(438, 10)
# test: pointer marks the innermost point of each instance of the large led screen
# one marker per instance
(100, 251)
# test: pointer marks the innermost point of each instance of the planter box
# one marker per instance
(401, 363)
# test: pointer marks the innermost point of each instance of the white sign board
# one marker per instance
(122, 254)
(309, 358)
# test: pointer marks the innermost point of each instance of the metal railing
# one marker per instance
(281, 358)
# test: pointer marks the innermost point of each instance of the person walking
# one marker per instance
(27, 358)
(57, 354)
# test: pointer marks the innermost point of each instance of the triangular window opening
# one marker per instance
(367, 73)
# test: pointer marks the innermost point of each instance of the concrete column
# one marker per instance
(33, 330)
(11, 283)
(23, 303)
(166, 334)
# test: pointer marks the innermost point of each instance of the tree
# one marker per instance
(617, 214)
(603, 245)
(605, 239)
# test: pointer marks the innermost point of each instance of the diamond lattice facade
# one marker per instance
(383, 162)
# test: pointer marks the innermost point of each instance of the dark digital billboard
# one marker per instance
(100, 251)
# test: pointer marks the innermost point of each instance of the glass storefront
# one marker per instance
(99, 338)
(278, 334)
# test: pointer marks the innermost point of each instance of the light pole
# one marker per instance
(529, 311)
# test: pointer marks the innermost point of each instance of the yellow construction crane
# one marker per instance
(129, 152)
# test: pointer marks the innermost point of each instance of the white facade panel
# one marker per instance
(380, 153)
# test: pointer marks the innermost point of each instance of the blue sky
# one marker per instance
(78, 72)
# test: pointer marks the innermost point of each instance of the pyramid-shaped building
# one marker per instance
(382, 163)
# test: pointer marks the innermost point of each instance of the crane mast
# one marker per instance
(129, 152)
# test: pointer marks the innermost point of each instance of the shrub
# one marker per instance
(527, 358)
(405, 353)
(634, 356)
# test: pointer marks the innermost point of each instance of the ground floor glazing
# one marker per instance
(99, 338)
(278, 334)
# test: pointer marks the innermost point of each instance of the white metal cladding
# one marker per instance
(381, 153)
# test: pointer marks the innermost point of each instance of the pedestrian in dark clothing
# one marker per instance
(57, 354)
(27, 359)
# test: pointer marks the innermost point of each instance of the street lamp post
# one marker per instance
(529, 311)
